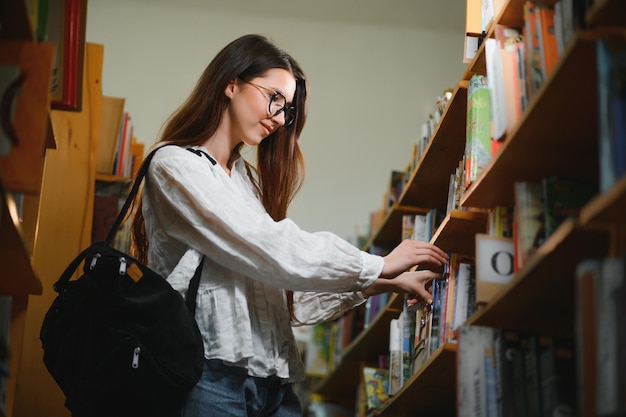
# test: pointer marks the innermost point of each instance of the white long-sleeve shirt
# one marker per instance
(193, 207)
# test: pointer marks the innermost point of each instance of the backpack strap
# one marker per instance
(194, 283)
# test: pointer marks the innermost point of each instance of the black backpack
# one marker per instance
(119, 340)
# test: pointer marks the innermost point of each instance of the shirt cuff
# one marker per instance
(372, 268)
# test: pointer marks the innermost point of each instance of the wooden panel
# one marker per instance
(608, 207)
(22, 168)
(66, 206)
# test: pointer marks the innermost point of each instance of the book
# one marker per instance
(475, 372)
(529, 214)
(507, 345)
(558, 386)
(587, 274)
(563, 198)
(407, 329)
(422, 330)
(610, 292)
(463, 297)
(533, 60)
(395, 357)
(317, 351)
(111, 111)
(546, 36)
(494, 266)
(511, 50)
(450, 298)
(495, 82)
(376, 387)
(611, 64)
(532, 346)
(478, 130)
(420, 228)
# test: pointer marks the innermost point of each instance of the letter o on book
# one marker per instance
(502, 263)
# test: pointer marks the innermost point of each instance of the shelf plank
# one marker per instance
(608, 207)
(428, 185)
(14, 252)
(457, 231)
(541, 297)
(431, 390)
(553, 138)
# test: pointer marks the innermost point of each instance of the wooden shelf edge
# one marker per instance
(607, 207)
(459, 226)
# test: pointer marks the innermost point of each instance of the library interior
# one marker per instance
(492, 129)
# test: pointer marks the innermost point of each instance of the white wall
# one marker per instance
(372, 86)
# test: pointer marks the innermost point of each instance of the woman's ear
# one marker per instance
(230, 89)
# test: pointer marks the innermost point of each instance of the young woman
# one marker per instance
(261, 273)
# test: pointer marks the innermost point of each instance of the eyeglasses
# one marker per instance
(278, 104)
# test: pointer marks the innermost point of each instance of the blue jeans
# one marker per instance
(229, 391)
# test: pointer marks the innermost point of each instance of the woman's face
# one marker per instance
(251, 104)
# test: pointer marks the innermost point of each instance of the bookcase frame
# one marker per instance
(557, 135)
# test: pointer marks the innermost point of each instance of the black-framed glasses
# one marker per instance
(277, 104)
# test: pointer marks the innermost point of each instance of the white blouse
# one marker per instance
(194, 207)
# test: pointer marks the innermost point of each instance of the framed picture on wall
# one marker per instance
(65, 28)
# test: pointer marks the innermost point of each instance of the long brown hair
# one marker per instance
(279, 170)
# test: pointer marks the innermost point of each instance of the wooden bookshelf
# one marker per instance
(428, 184)
(365, 348)
(556, 136)
(552, 138)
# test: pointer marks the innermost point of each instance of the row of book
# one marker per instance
(502, 372)
(518, 61)
(540, 208)
(327, 342)
(119, 152)
(400, 178)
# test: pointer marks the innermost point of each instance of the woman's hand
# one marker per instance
(410, 253)
(415, 283)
